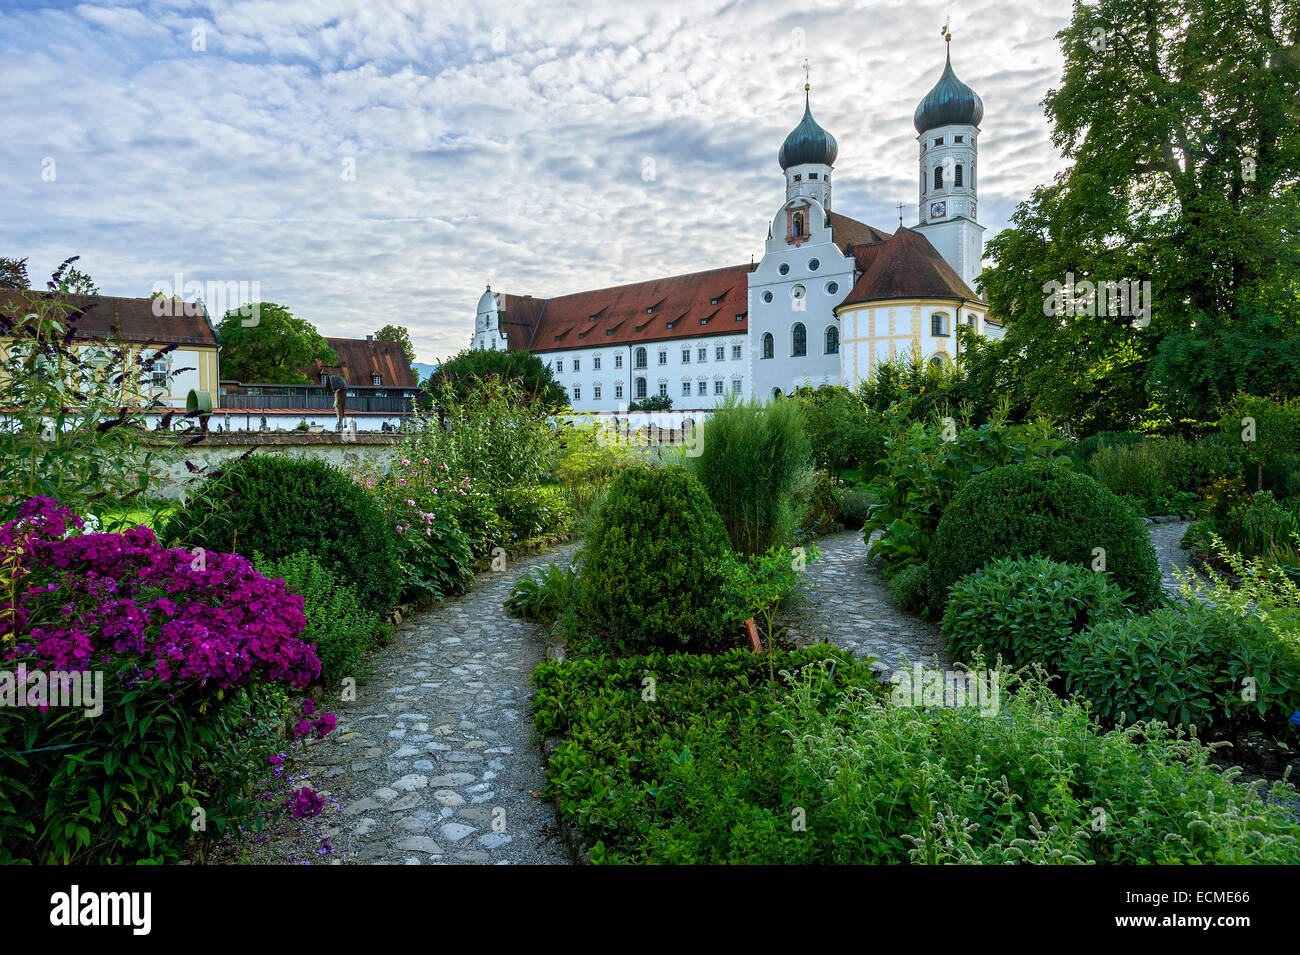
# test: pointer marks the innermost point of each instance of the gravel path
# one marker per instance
(435, 760)
(847, 605)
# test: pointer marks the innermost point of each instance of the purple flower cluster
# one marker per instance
(322, 726)
(190, 619)
(305, 802)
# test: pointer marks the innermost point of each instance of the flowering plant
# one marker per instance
(194, 619)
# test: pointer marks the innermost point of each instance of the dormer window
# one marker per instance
(798, 177)
(376, 380)
(713, 301)
(324, 378)
(650, 310)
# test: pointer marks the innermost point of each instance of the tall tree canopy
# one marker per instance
(464, 373)
(13, 273)
(1180, 121)
(273, 348)
(399, 334)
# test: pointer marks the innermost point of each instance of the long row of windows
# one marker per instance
(640, 357)
(639, 389)
(799, 341)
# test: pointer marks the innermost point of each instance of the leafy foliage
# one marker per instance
(1026, 610)
(278, 507)
(926, 464)
(461, 376)
(1198, 666)
(267, 343)
(1024, 510)
(340, 628)
(724, 764)
(651, 574)
(76, 408)
(545, 594)
(399, 334)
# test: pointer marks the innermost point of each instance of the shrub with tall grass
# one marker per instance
(753, 459)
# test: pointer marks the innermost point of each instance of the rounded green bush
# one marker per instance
(652, 572)
(909, 588)
(1025, 609)
(1186, 665)
(278, 507)
(1022, 509)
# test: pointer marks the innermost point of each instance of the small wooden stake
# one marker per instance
(752, 629)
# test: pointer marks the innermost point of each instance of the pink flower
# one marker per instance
(405, 463)
(426, 460)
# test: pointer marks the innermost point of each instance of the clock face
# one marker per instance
(938, 210)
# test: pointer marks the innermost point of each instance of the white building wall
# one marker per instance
(817, 278)
(877, 332)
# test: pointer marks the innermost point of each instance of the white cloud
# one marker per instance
(495, 142)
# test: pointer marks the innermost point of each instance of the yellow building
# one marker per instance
(148, 325)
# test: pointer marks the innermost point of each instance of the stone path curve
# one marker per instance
(435, 762)
(848, 604)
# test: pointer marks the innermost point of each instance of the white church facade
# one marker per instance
(829, 300)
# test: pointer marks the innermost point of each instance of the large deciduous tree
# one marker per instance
(1180, 121)
(399, 334)
(13, 273)
(465, 372)
(266, 343)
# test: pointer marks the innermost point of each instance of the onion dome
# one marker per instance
(950, 103)
(808, 142)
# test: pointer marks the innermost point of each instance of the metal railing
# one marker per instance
(358, 404)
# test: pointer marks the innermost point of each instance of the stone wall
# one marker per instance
(216, 449)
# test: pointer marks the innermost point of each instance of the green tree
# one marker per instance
(399, 334)
(652, 403)
(1267, 428)
(76, 282)
(266, 343)
(13, 273)
(461, 377)
(1179, 119)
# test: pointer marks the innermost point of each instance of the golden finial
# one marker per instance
(806, 85)
(945, 32)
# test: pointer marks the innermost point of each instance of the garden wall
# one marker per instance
(216, 449)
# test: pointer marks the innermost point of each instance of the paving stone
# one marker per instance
(419, 844)
(409, 801)
(455, 831)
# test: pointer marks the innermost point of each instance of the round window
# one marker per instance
(797, 292)
(784, 269)
(832, 288)
(767, 296)
(814, 265)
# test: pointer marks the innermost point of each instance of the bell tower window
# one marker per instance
(956, 175)
(938, 177)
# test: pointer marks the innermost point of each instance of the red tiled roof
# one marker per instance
(617, 315)
(905, 265)
(132, 319)
(848, 232)
(360, 359)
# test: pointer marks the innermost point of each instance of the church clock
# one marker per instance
(938, 210)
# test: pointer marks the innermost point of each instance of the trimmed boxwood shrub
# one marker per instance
(652, 568)
(1026, 609)
(278, 507)
(1186, 665)
(1021, 510)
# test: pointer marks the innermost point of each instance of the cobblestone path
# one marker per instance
(847, 603)
(435, 761)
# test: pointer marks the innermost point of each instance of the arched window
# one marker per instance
(956, 175)
(922, 180)
(798, 340)
(640, 386)
(769, 346)
(938, 324)
(937, 361)
(938, 177)
(832, 340)
(797, 228)
(640, 361)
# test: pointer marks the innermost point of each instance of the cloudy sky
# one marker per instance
(375, 161)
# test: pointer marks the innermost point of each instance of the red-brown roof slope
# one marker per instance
(849, 232)
(132, 319)
(905, 265)
(679, 306)
(361, 359)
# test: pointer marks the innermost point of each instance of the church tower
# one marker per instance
(947, 123)
(807, 156)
